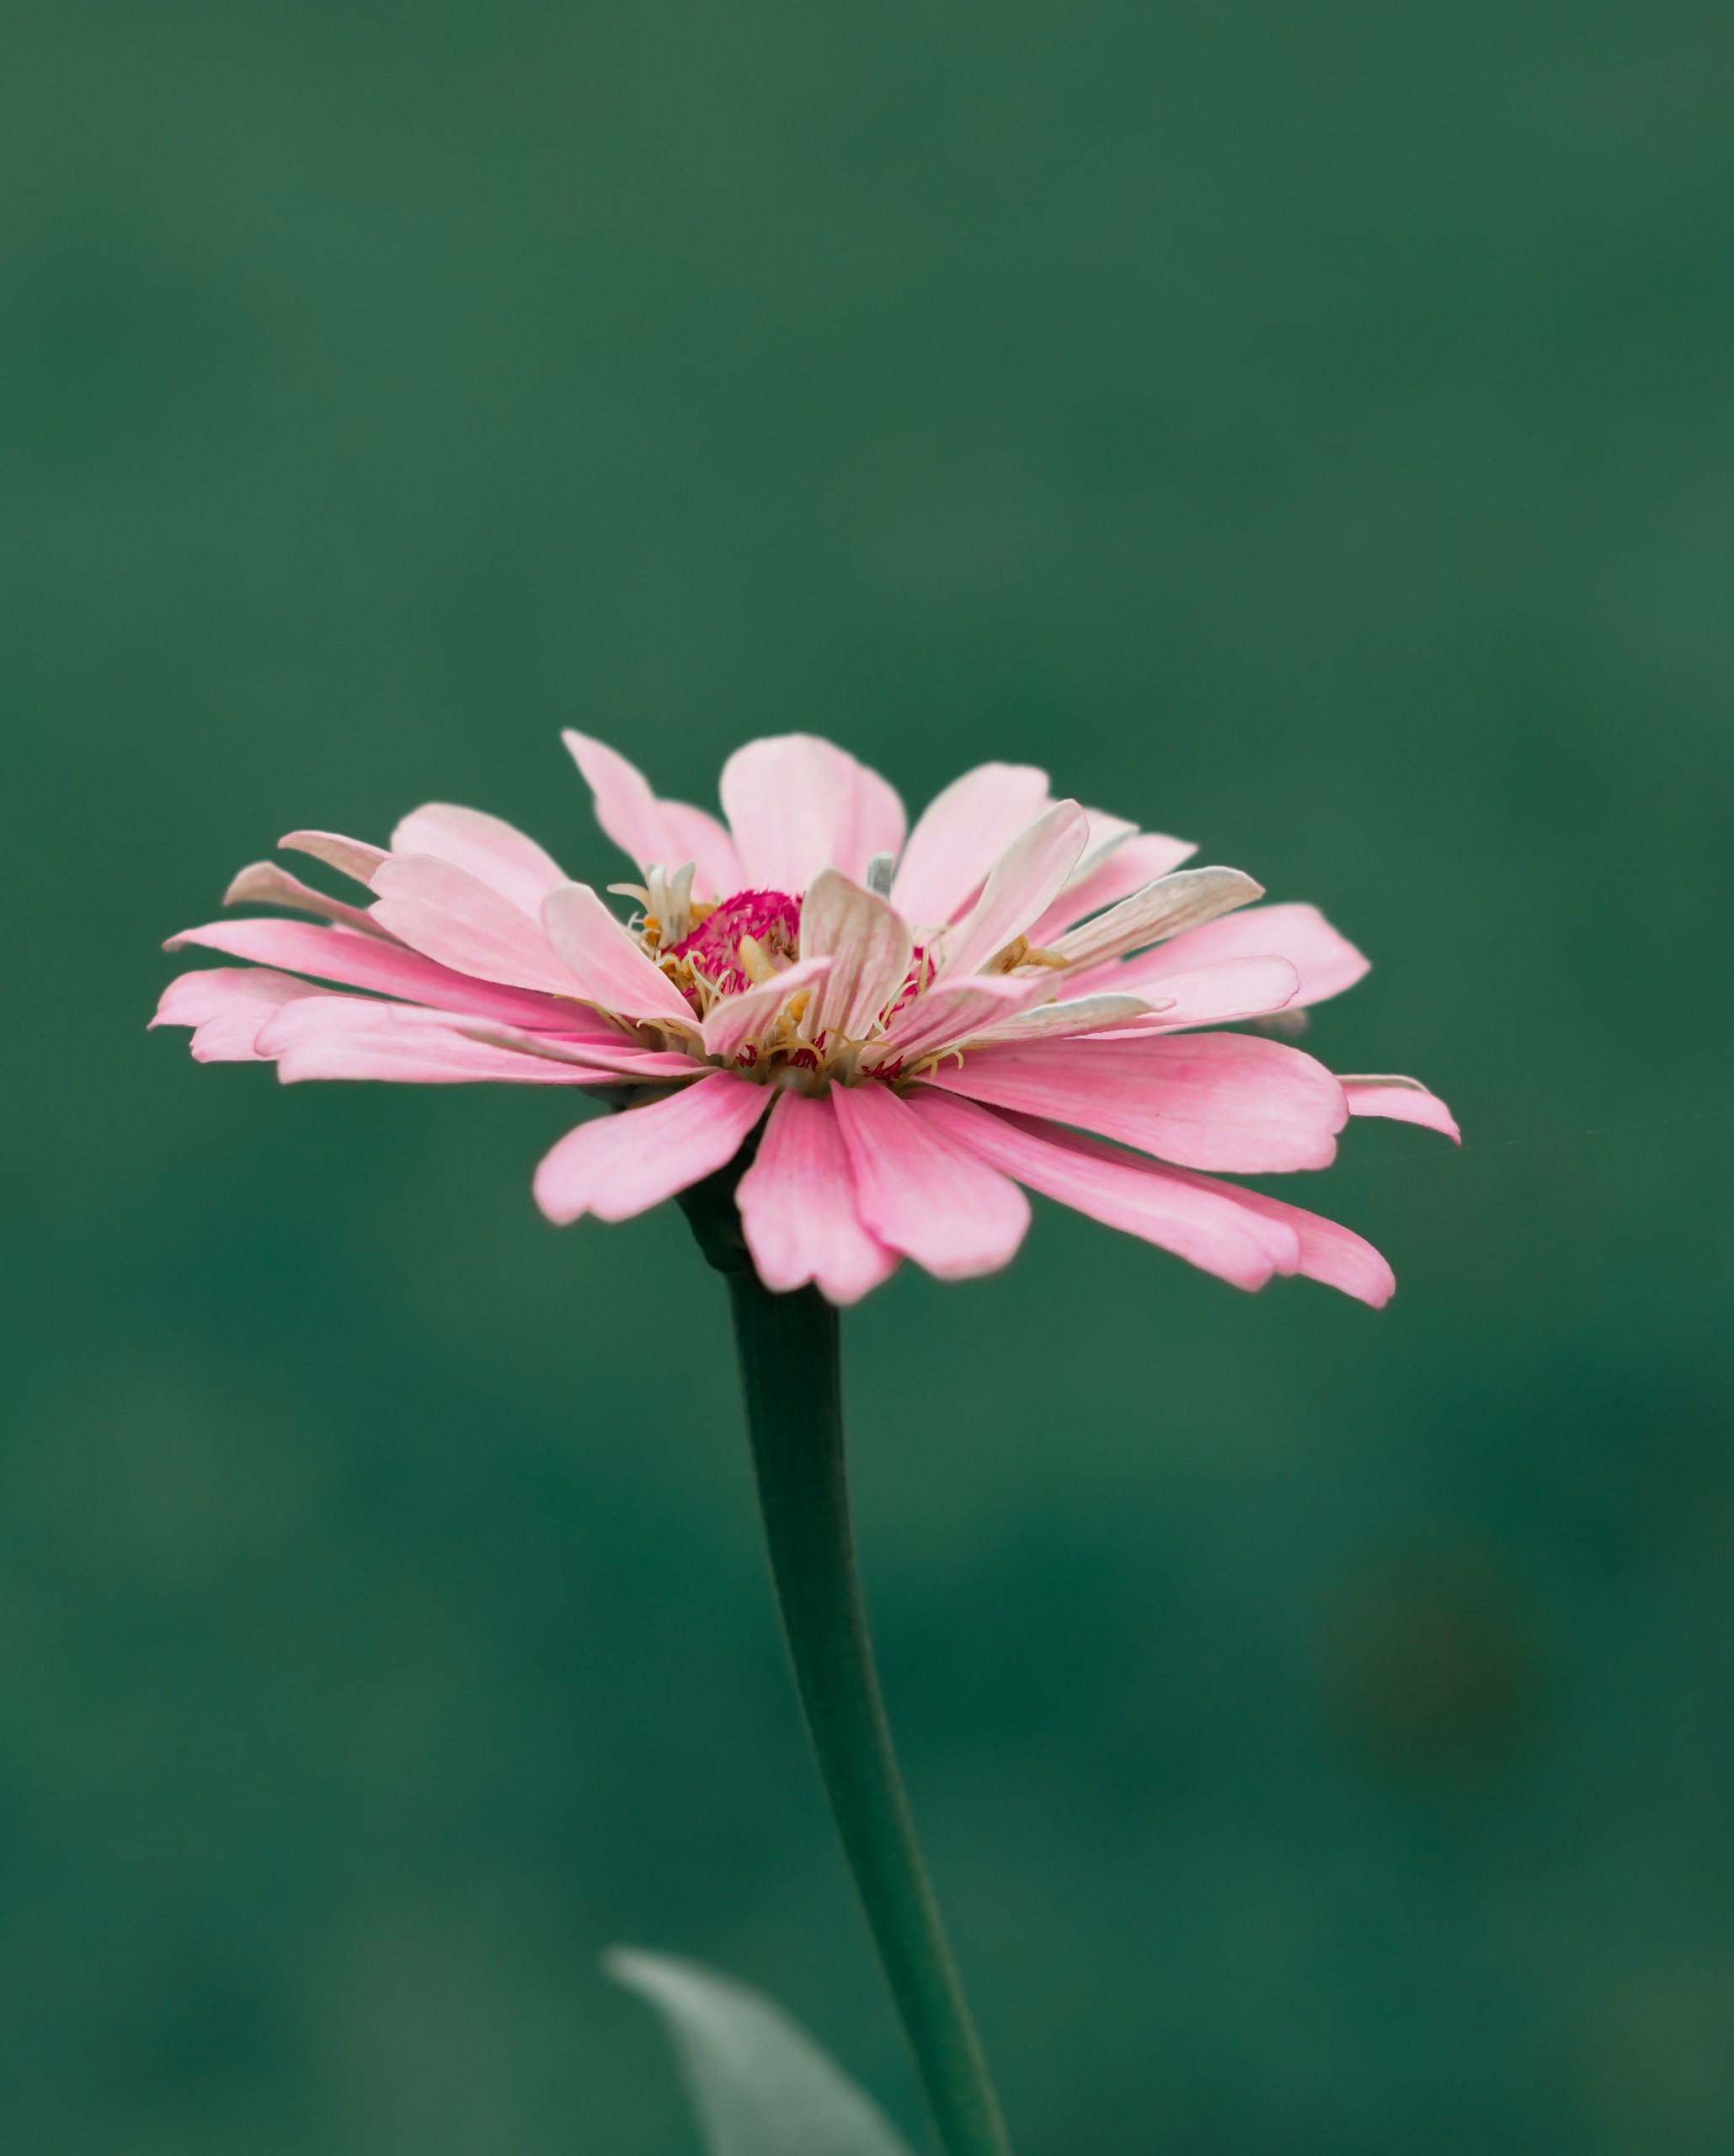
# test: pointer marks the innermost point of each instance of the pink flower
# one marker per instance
(930, 1019)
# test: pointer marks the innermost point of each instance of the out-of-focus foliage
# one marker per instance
(1303, 428)
(759, 2087)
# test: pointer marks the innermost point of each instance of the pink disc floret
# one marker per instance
(772, 918)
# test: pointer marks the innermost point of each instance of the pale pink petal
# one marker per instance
(798, 1208)
(872, 821)
(959, 836)
(870, 949)
(955, 1010)
(606, 963)
(263, 883)
(354, 1037)
(1205, 1100)
(1083, 1014)
(1219, 994)
(624, 1058)
(352, 857)
(226, 1006)
(923, 1194)
(731, 1023)
(495, 852)
(1020, 887)
(660, 834)
(1127, 868)
(624, 1164)
(1156, 1204)
(797, 804)
(370, 961)
(453, 917)
(1401, 1099)
(1107, 835)
(1326, 963)
(1162, 908)
(1329, 1252)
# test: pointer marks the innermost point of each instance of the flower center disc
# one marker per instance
(772, 918)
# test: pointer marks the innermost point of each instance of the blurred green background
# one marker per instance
(1309, 431)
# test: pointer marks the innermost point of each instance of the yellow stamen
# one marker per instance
(754, 962)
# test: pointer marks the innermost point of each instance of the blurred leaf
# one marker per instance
(761, 2087)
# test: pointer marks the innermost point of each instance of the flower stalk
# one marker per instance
(788, 1346)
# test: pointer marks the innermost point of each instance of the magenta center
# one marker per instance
(772, 918)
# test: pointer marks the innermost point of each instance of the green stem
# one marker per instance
(790, 1379)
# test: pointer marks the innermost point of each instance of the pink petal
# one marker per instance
(870, 949)
(352, 857)
(1162, 908)
(797, 804)
(1083, 1014)
(453, 917)
(607, 965)
(370, 961)
(1401, 1099)
(493, 851)
(1326, 963)
(623, 1059)
(872, 820)
(923, 1194)
(227, 1005)
(1329, 1252)
(664, 834)
(1107, 835)
(263, 883)
(956, 1010)
(1139, 861)
(734, 1022)
(1203, 1100)
(624, 1164)
(960, 834)
(1020, 887)
(1192, 1220)
(798, 1209)
(353, 1037)
(1217, 994)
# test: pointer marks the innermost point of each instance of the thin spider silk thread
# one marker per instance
(1539, 1137)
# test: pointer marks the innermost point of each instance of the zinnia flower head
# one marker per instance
(914, 1023)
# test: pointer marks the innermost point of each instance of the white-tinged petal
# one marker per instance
(628, 1060)
(1083, 1014)
(1135, 862)
(871, 951)
(1173, 903)
(1022, 885)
